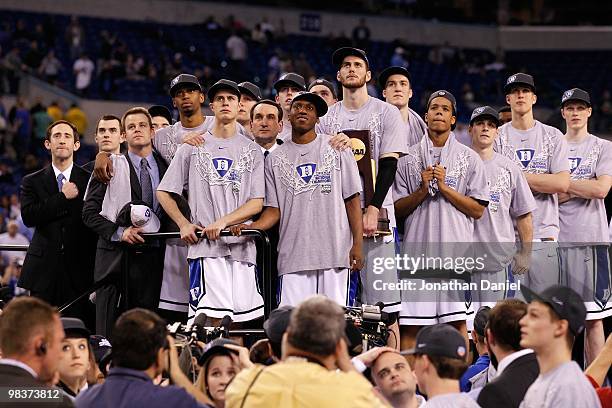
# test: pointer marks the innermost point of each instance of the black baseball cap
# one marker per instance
(100, 346)
(184, 81)
(223, 84)
(505, 108)
(439, 340)
(519, 79)
(217, 346)
(481, 319)
(313, 98)
(250, 89)
(160, 110)
(564, 301)
(485, 111)
(74, 328)
(341, 53)
(443, 94)
(325, 83)
(387, 72)
(276, 325)
(290, 79)
(576, 94)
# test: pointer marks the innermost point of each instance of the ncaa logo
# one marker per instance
(306, 171)
(511, 79)
(525, 156)
(222, 165)
(574, 162)
(567, 95)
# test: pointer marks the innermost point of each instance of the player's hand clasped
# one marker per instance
(189, 233)
(213, 231)
(340, 141)
(131, 235)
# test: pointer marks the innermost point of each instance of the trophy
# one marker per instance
(360, 143)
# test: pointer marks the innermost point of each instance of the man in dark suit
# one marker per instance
(31, 336)
(59, 262)
(144, 277)
(517, 368)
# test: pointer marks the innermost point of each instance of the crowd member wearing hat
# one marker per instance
(250, 94)
(226, 173)
(554, 318)
(478, 374)
(397, 90)
(137, 177)
(329, 181)
(74, 361)
(325, 89)
(441, 189)
(99, 359)
(510, 202)
(517, 367)
(583, 236)
(286, 87)
(268, 351)
(504, 114)
(541, 153)
(316, 370)
(388, 140)
(440, 360)
(161, 116)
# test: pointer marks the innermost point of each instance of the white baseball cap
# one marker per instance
(143, 217)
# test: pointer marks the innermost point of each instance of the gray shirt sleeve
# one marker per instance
(604, 163)
(177, 174)
(258, 184)
(351, 182)
(522, 201)
(400, 185)
(477, 186)
(394, 137)
(271, 194)
(558, 161)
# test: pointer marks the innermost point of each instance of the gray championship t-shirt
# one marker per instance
(220, 176)
(510, 197)
(539, 150)
(387, 133)
(168, 139)
(309, 183)
(436, 219)
(285, 133)
(565, 386)
(584, 220)
(415, 127)
(456, 400)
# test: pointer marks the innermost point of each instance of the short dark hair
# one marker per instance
(135, 111)
(268, 102)
(137, 337)
(21, 319)
(447, 367)
(75, 133)
(109, 117)
(504, 323)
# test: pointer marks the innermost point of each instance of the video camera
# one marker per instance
(366, 327)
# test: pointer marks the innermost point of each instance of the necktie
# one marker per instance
(145, 183)
(60, 181)
(266, 153)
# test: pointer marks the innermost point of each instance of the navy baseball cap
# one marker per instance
(74, 328)
(519, 79)
(225, 85)
(250, 89)
(276, 325)
(482, 112)
(341, 53)
(160, 110)
(564, 301)
(326, 84)
(313, 98)
(387, 72)
(100, 346)
(184, 81)
(217, 346)
(439, 340)
(576, 94)
(290, 79)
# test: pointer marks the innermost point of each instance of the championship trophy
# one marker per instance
(360, 143)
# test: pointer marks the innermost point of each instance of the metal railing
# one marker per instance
(268, 296)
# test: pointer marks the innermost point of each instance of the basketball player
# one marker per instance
(286, 87)
(250, 94)
(325, 90)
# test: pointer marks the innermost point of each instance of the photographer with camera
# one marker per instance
(314, 348)
(141, 351)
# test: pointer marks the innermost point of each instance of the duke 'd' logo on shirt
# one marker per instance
(525, 156)
(306, 171)
(222, 165)
(574, 162)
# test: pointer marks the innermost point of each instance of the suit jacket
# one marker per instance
(508, 389)
(61, 243)
(17, 377)
(108, 253)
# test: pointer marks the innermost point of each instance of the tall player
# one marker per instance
(250, 94)
(541, 152)
(583, 236)
(397, 90)
(286, 87)
(442, 189)
(510, 199)
(359, 111)
(225, 186)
